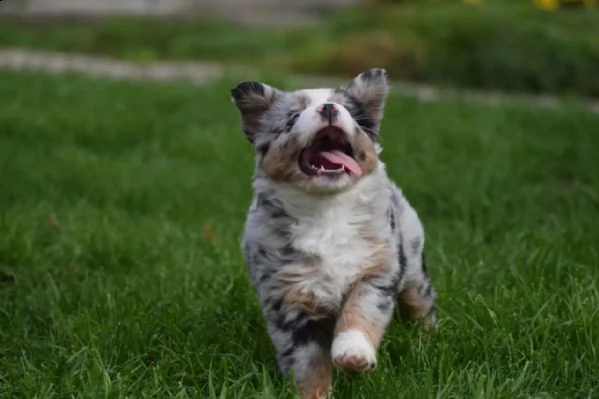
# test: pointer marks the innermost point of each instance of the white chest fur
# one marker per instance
(335, 239)
(339, 233)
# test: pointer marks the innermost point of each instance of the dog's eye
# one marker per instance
(293, 117)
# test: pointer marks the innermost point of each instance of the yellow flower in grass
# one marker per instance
(549, 5)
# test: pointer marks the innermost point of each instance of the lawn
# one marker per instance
(121, 209)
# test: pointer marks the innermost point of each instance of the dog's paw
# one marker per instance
(352, 351)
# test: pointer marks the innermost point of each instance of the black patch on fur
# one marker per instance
(388, 290)
(248, 135)
(361, 114)
(372, 74)
(290, 325)
(403, 261)
(244, 88)
(292, 117)
(261, 251)
(361, 156)
(288, 251)
(288, 254)
(273, 206)
(313, 331)
(263, 149)
(423, 261)
(288, 352)
(384, 304)
(265, 276)
(416, 243)
(319, 331)
(256, 253)
(276, 307)
(259, 255)
(392, 289)
(428, 290)
(277, 130)
(392, 221)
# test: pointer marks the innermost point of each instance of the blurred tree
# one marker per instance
(549, 5)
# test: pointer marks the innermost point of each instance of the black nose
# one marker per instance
(328, 112)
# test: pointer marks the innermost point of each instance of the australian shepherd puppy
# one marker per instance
(331, 243)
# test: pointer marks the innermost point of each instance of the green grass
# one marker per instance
(134, 296)
(500, 45)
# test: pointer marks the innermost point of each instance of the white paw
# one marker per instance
(352, 351)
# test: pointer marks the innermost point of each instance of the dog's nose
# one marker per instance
(328, 112)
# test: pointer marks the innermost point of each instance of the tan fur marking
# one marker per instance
(370, 160)
(381, 255)
(352, 316)
(281, 162)
(412, 306)
(318, 384)
(301, 300)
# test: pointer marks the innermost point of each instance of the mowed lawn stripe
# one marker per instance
(121, 209)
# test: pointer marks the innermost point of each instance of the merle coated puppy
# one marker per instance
(330, 242)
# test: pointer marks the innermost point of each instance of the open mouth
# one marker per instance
(330, 154)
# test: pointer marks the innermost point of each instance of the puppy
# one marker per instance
(331, 244)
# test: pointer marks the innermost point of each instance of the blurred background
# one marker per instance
(535, 46)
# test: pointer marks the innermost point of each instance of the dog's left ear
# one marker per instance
(253, 99)
(370, 88)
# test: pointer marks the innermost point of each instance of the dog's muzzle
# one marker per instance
(328, 112)
(329, 154)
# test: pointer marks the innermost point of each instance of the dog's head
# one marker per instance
(316, 139)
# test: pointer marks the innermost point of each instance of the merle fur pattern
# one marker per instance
(330, 258)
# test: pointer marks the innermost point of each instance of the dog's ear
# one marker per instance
(253, 99)
(370, 88)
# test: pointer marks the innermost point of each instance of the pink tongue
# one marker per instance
(341, 158)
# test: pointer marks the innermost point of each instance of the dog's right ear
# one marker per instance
(253, 99)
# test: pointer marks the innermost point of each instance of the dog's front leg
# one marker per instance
(303, 349)
(360, 326)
